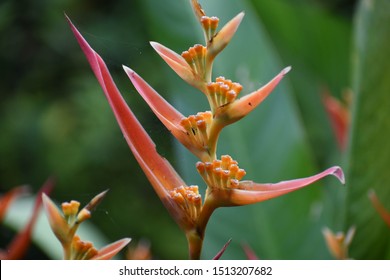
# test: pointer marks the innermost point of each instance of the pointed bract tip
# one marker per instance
(220, 253)
(241, 15)
(128, 70)
(371, 193)
(156, 46)
(45, 197)
(68, 20)
(223, 37)
(286, 70)
(237, 19)
(339, 174)
(105, 191)
(109, 251)
(96, 201)
(326, 231)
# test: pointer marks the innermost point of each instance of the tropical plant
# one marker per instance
(329, 110)
(198, 133)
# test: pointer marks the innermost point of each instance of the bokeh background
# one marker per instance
(55, 120)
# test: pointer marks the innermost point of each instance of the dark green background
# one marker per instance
(55, 120)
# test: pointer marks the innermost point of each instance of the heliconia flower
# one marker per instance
(225, 187)
(195, 65)
(196, 57)
(180, 66)
(339, 116)
(200, 133)
(85, 250)
(163, 177)
(231, 191)
(209, 25)
(193, 132)
(222, 92)
(221, 39)
(216, 41)
(64, 226)
(81, 250)
(338, 243)
(234, 111)
(385, 215)
(19, 245)
(57, 221)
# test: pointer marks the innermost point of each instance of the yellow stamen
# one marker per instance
(222, 92)
(221, 174)
(210, 25)
(189, 200)
(70, 208)
(82, 250)
(197, 127)
(196, 58)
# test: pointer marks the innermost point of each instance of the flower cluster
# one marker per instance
(64, 225)
(199, 133)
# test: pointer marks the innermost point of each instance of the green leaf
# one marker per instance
(317, 43)
(369, 153)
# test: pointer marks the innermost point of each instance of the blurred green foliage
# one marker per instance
(56, 121)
